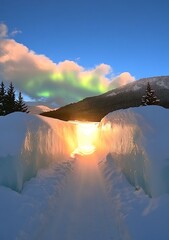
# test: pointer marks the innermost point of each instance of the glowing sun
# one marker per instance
(86, 133)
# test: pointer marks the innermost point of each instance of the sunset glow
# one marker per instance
(86, 138)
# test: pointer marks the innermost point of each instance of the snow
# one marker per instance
(135, 88)
(159, 82)
(39, 109)
(144, 217)
(163, 84)
(138, 139)
(84, 211)
(120, 191)
(28, 143)
(112, 94)
(23, 216)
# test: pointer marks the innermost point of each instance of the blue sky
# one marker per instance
(130, 36)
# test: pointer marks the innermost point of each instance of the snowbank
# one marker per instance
(138, 139)
(29, 143)
(141, 216)
(25, 215)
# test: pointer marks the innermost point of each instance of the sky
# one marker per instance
(61, 51)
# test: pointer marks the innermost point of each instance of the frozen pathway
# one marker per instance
(84, 210)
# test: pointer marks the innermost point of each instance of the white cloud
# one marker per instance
(15, 32)
(103, 69)
(120, 80)
(3, 30)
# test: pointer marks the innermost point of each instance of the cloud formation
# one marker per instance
(43, 80)
(15, 32)
(4, 33)
(3, 30)
(120, 80)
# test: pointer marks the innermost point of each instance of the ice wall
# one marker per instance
(138, 139)
(30, 142)
(123, 138)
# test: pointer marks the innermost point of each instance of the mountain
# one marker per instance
(39, 109)
(95, 108)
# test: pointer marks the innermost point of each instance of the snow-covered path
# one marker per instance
(84, 210)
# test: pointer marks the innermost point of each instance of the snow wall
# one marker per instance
(30, 142)
(137, 139)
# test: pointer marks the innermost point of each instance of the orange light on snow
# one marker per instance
(86, 138)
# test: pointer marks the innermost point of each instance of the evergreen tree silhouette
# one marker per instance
(20, 105)
(10, 102)
(149, 98)
(2, 99)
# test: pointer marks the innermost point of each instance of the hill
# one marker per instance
(95, 108)
(39, 109)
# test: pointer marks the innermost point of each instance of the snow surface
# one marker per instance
(121, 196)
(136, 85)
(85, 211)
(145, 218)
(23, 216)
(39, 109)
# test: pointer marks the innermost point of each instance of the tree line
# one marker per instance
(8, 101)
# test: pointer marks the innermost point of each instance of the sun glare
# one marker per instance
(86, 138)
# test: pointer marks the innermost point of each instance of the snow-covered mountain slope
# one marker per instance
(130, 95)
(39, 109)
(155, 82)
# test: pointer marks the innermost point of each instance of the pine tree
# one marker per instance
(20, 105)
(149, 98)
(2, 99)
(10, 102)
